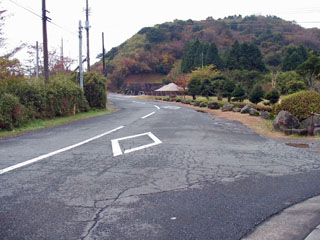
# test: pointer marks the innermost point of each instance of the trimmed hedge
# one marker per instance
(22, 100)
(95, 90)
(12, 112)
(300, 104)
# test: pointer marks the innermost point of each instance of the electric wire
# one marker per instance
(49, 20)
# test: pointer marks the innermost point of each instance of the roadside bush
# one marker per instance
(272, 95)
(256, 94)
(12, 112)
(95, 90)
(300, 104)
(64, 97)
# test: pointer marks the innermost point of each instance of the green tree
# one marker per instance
(212, 56)
(295, 86)
(256, 95)
(310, 70)
(194, 87)
(207, 88)
(228, 88)
(293, 57)
(272, 95)
(155, 35)
(239, 93)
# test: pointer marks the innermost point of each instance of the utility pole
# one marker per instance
(103, 55)
(45, 42)
(37, 60)
(62, 55)
(87, 26)
(80, 56)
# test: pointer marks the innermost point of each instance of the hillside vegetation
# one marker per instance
(283, 45)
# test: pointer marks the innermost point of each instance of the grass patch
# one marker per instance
(41, 124)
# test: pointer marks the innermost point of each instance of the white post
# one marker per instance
(80, 56)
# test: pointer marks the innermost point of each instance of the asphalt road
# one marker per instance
(149, 171)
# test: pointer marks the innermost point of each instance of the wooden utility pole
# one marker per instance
(45, 42)
(87, 26)
(37, 60)
(103, 57)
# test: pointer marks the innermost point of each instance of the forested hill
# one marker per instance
(157, 49)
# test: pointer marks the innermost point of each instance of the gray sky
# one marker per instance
(120, 19)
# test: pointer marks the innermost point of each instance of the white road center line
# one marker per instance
(117, 149)
(150, 114)
(28, 162)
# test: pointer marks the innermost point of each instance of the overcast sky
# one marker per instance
(120, 19)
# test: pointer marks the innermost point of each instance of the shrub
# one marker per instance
(64, 97)
(272, 95)
(300, 104)
(95, 90)
(12, 112)
(295, 86)
(256, 94)
(239, 93)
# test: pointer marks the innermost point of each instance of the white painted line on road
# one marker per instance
(157, 107)
(28, 162)
(150, 114)
(117, 149)
(138, 102)
(171, 107)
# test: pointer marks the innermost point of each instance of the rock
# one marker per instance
(203, 104)
(227, 107)
(254, 112)
(285, 120)
(307, 122)
(236, 109)
(316, 131)
(265, 115)
(196, 104)
(213, 105)
(246, 109)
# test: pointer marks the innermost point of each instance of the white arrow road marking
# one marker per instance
(150, 114)
(28, 162)
(117, 149)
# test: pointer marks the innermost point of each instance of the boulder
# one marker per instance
(227, 107)
(246, 109)
(265, 115)
(203, 104)
(316, 131)
(196, 104)
(236, 109)
(254, 112)
(213, 105)
(307, 122)
(285, 120)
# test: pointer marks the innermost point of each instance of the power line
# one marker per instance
(49, 20)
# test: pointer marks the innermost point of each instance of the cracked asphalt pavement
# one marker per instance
(206, 178)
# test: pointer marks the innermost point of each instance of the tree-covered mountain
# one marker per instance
(264, 41)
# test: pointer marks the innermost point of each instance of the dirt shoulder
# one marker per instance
(257, 124)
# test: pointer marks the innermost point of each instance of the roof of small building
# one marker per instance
(171, 87)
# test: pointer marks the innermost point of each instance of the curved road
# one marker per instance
(149, 171)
